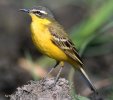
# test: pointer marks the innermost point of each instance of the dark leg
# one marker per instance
(57, 63)
(61, 67)
(57, 77)
(61, 64)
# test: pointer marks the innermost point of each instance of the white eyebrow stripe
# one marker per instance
(43, 12)
(34, 10)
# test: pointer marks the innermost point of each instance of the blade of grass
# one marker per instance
(92, 24)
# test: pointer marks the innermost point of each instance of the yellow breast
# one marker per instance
(42, 39)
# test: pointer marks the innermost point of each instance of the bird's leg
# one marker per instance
(57, 63)
(61, 67)
(57, 77)
(61, 64)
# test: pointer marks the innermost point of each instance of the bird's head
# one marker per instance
(39, 14)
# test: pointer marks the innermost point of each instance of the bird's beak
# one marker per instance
(25, 10)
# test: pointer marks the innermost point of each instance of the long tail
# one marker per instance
(87, 80)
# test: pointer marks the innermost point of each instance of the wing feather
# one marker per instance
(61, 39)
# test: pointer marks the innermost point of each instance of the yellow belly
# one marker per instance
(42, 39)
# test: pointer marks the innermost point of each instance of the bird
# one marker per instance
(51, 39)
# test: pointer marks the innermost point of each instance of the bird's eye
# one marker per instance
(38, 13)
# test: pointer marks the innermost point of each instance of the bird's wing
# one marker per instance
(61, 39)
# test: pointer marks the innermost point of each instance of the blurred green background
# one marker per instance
(89, 24)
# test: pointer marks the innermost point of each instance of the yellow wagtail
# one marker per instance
(51, 39)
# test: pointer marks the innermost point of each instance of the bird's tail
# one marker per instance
(92, 87)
